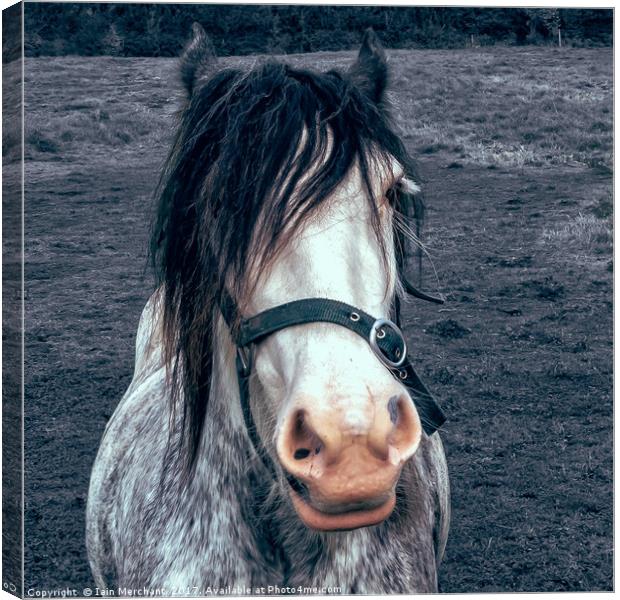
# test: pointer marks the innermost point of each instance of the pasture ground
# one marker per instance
(514, 149)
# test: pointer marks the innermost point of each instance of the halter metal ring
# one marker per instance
(377, 326)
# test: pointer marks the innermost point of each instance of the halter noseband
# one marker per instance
(383, 335)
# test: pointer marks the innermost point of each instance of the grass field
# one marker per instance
(514, 148)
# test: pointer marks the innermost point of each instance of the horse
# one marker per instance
(275, 436)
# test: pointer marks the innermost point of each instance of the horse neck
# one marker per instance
(225, 484)
(252, 509)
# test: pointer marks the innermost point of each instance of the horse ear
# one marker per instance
(369, 72)
(198, 58)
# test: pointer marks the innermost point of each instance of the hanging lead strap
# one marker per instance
(414, 291)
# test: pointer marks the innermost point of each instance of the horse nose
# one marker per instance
(351, 455)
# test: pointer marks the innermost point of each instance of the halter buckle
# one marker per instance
(380, 325)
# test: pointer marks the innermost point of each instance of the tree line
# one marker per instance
(161, 29)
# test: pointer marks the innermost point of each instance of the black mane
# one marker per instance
(245, 141)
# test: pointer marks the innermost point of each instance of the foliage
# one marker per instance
(55, 29)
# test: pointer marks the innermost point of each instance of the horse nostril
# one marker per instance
(301, 453)
(393, 409)
(404, 425)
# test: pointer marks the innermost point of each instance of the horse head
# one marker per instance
(286, 184)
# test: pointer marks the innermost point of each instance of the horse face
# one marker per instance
(340, 425)
(344, 426)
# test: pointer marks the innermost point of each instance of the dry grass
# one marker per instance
(508, 106)
(122, 113)
(11, 109)
(586, 235)
(511, 107)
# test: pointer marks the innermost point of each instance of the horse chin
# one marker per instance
(346, 520)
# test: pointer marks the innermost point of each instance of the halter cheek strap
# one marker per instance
(384, 337)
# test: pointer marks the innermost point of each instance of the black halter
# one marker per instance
(383, 335)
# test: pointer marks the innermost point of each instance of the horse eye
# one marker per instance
(392, 195)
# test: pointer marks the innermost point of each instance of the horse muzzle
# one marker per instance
(347, 496)
(341, 479)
